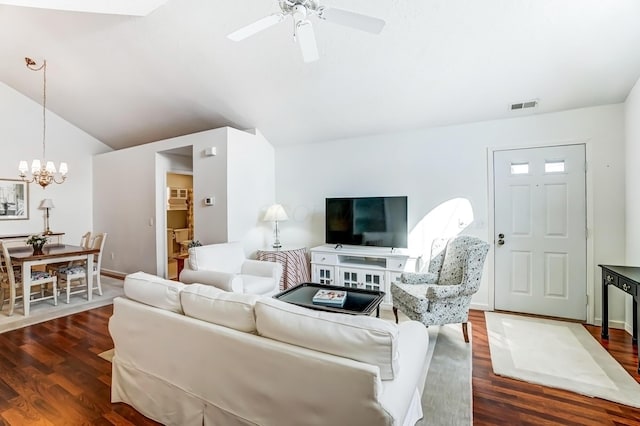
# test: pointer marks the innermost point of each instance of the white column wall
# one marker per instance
(240, 177)
(251, 188)
(434, 165)
(21, 135)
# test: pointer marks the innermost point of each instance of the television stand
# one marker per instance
(369, 268)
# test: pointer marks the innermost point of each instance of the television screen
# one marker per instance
(367, 221)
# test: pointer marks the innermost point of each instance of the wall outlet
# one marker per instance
(113, 255)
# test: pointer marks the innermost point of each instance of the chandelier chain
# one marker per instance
(31, 65)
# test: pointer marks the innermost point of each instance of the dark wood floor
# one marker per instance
(50, 374)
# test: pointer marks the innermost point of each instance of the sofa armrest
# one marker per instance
(223, 280)
(262, 268)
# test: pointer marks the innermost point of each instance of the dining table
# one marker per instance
(51, 253)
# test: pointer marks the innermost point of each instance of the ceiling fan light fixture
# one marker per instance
(300, 11)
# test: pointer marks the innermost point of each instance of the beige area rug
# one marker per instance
(447, 398)
(45, 310)
(557, 354)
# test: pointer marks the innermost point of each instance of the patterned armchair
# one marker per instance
(443, 294)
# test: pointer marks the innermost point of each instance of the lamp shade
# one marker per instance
(47, 203)
(275, 213)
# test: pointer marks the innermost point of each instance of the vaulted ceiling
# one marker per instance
(129, 80)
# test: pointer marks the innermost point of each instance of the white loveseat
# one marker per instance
(198, 355)
(225, 266)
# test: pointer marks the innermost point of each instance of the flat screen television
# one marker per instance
(367, 221)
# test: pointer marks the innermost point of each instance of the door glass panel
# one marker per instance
(554, 166)
(519, 168)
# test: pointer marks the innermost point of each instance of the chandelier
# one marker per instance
(42, 172)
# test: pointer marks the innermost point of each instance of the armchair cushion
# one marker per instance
(454, 257)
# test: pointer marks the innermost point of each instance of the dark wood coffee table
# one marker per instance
(359, 301)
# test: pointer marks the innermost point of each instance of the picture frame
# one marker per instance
(14, 199)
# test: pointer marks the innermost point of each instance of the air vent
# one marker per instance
(524, 105)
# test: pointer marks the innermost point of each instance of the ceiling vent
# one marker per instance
(524, 105)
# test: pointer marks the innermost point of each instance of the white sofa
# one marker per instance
(198, 355)
(225, 266)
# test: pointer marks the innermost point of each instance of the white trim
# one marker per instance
(590, 275)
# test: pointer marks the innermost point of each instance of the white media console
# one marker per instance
(370, 268)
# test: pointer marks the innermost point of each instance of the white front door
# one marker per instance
(540, 225)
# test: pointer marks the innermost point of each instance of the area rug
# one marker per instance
(447, 398)
(557, 354)
(45, 310)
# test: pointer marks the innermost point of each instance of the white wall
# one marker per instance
(434, 165)
(210, 180)
(21, 135)
(131, 201)
(632, 190)
(251, 189)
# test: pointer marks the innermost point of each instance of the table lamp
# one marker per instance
(275, 213)
(47, 204)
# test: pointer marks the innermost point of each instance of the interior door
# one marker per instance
(540, 225)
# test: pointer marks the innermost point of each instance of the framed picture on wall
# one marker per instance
(14, 199)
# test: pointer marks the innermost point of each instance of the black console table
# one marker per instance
(627, 279)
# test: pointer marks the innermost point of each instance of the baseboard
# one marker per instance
(480, 307)
(622, 325)
(113, 274)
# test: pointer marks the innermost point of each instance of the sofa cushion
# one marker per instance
(224, 257)
(361, 338)
(153, 290)
(211, 304)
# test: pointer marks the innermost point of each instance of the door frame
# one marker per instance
(590, 273)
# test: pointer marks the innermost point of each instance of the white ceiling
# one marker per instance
(131, 80)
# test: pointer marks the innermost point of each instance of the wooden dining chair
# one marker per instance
(74, 276)
(11, 280)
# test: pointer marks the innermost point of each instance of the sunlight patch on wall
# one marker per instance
(445, 221)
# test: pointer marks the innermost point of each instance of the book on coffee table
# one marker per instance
(330, 297)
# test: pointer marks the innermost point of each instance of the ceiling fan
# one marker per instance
(300, 11)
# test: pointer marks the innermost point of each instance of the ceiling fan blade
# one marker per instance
(353, 20)
(307, 41)
(256, 27)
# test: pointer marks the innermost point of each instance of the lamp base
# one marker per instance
(277, 245)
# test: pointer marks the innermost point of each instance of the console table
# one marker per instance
(627, 279)
(369, 268)
(294, 261)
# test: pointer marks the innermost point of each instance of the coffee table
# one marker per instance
(359, 301)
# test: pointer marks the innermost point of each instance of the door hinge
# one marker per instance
(586, 166)
(587, 300)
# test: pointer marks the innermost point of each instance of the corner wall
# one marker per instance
(432, 166)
